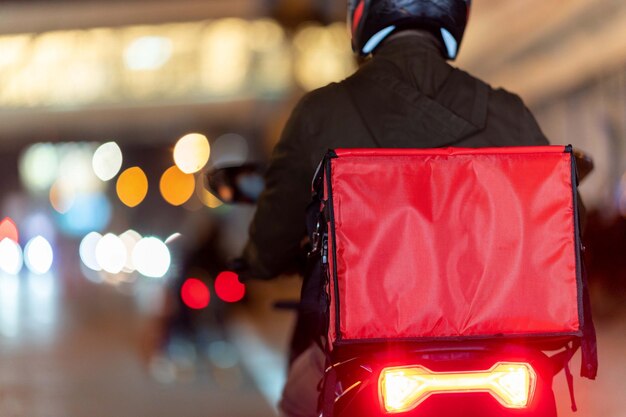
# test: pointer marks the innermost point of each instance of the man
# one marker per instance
(405, 96)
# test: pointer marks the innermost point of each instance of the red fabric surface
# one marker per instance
(454, 242)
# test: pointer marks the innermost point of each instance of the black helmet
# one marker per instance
(371, 21)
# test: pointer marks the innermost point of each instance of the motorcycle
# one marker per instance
(386, 374)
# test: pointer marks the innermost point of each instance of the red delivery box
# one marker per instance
(445, 244)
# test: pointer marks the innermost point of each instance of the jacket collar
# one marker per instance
(409, 43)
(418, 58)
(445, 102)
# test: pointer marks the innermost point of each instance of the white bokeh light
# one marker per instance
(173, 238)
(75, 168)
(111, 253)
(191, 152)
(11, 258)
(87, 251)
(130, 238)
(39, 166)
(148, 53)
(107, 161)
(151, 257)
(38, 255)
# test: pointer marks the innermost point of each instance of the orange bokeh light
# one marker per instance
(132, 186)
(176, 186)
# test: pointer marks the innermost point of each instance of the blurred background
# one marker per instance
(111, 112)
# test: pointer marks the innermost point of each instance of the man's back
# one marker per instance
(406, 96)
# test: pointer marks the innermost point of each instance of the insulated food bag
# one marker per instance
(450, 244)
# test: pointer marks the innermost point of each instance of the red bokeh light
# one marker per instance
(228, 288)
(195, 294)
(8, 230)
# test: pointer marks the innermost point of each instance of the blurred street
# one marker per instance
(72, 348)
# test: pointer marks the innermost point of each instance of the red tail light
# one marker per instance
(195, 294)
(404, 388)
(228, 287)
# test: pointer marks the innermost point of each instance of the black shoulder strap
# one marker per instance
(588, 343)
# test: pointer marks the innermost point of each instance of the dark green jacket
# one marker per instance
(406, 96)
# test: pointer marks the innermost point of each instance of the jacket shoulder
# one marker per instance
(509, 120)
(497, 96)
(529, 132)
(320, 98)
(506, 120)
(325, 108)
(503, 97)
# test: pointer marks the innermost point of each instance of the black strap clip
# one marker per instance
(316, 241)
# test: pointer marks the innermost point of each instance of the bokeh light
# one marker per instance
(266, 34)
(206, 197)
(195, 294)
(8, 230)
(173, 238)
(11, 258)
(130, 238)
(88, 212)
(63, 170)
(87, 251)
(75, 181)
(61, 197)
(39, 167)
(13, 47)
(192, 152)
(230, 149)
(151, 257)
(111, 253)
(38, 255)
(225, 56)
(223, 354)
(272, 57)
(251, 185)
(228, 288)
(107, 161)
(148, 53)
(75, 168)
(176, 186)
(132, 186)
(323, 55)
(38, 224)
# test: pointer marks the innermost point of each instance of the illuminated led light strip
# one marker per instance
(404, 388)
